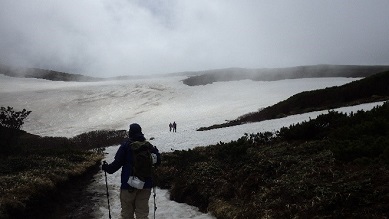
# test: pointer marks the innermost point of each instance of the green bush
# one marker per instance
(10, 118)
(358, 135)
(10, 123)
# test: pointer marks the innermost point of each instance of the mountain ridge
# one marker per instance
(195, 78)
(272, 74)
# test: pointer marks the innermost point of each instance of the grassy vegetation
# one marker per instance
(370, 89)
(334, 166)
(34, 169)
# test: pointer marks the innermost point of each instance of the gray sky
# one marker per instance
(131, 37)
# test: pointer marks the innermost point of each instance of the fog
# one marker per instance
(106, 38)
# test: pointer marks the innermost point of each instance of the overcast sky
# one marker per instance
(132, 37)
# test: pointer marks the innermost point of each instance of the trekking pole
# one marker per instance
(106, 186)
(155, 205)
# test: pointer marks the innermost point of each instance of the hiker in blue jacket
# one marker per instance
(132, 200)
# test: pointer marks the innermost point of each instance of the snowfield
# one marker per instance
(71, 108)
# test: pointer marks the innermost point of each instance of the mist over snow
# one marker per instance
(71, 108)
(106, 38)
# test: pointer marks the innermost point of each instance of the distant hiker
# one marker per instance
(136, 157)
(170, 127)
(174, 126)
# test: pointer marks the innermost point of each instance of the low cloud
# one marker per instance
(133, 37)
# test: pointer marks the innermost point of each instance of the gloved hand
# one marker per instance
(104, 167)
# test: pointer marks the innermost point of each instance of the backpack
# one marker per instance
(142, 163)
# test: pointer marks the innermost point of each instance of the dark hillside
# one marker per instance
(315, 71)
(43, 74)
(370, 89)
